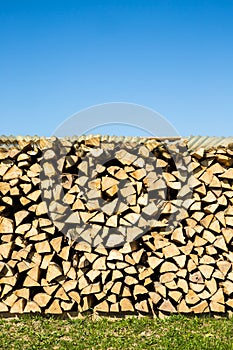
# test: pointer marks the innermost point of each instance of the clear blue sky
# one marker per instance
(60, 56)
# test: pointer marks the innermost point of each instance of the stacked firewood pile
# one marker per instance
(113, 225)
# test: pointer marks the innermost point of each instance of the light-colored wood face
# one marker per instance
(113, 228)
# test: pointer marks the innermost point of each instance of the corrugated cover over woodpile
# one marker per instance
(116, 225)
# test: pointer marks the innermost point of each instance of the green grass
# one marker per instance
(176, 332)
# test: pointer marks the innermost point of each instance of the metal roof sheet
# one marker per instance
(194, 142)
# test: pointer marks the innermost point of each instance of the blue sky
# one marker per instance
(61, 56)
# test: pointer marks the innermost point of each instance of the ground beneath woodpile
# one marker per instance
(175, 332)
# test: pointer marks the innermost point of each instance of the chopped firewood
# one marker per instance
(100, 264)
(227, 174)
(42, 299)
(206, 270)
(142, 306)
(54, 308)
(43, 247)
(115, 255)
(216, 307)
(167, 306)
(170, 251)
(53, 272)
(56, 243)
(201, 307)
(22, 293)
(31, 306)
(3, 307)
(175, 295)
(10, 300)
(167, 277)
(138, 174)
(30, 282)
(5, 249)
(135, 234)
(178, 236)
(218, 297)
(102, 307)
(224, 266)
(198, 288)
(180, 260)
(168, 267)
(13, 173)
(126, 305)
(61, 294)
(18, 307)
(191, 297)
(182, 307)
(153, 261)
(138, 289)
(227, 287)
(6, 225)
(220, 243)
(112, 221)
(108, 182)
